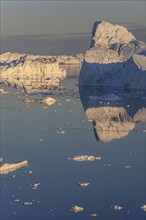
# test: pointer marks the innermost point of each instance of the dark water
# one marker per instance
(47, 137)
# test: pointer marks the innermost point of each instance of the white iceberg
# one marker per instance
(115, 58)
(30, 73)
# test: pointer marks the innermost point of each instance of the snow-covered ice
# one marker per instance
(30, 73)
(115, 58)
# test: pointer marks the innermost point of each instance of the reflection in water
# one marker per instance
(113, 112)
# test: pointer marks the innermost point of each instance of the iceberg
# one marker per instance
(35, 73)
(30, 73)
(115, 58)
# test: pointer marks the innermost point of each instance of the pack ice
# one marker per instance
(115, 58)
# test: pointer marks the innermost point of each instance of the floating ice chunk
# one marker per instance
(27, 203)
(1, 159)
(48, 100)
(2, 91)
(94, 214)
(77, 209)
(7, 168)
(117, 207)
(84, 184)
(35, 185)
(17, 200)
(84, 158)
(30, 100)
(144, 208)
(41, 139)
(127, 167)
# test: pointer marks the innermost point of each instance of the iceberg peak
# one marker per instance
(115, 58)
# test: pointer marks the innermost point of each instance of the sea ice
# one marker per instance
(84, 158)
(77, 209)
(7, 168)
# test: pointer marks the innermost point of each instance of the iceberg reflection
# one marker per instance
(113, 112)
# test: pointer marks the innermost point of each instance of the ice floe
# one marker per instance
(77, 209)
(143, 208)
(84, 158)
(117, 207)
(8, 168)
(84, 184)
(47, 100)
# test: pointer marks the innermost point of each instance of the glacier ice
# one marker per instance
(115, 58)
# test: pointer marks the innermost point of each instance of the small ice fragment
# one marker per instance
(144, 208)
(41, 139)
(30, 172)
(117, 207)
(35, 185)
(1, 159)
(27, 203)
(84, 184)
(2, 91)
(38, 201)
(30, 100)
(77, 209)
(127, 167)
(17, 200)
(84, 158)
(94, 215)
(68, 100)
(48, 101)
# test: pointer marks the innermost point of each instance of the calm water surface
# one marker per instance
(46, 136)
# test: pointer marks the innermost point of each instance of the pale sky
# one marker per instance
(31, 17)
